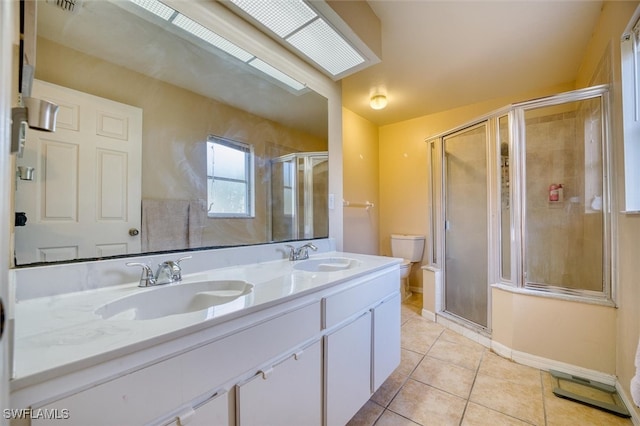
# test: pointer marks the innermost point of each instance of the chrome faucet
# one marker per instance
(168, 272)
(300, 253)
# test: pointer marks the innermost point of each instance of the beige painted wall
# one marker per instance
(575, 333)
(614, 19)
(175, 133)
(361, 183)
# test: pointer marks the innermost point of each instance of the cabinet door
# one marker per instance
(347, 370)
(217, 411)
(386, 340)
(290, 393)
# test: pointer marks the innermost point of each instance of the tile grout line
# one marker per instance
(475, 376)
(386, 408)
(544, 402)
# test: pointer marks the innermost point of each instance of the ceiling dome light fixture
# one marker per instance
(378, 101)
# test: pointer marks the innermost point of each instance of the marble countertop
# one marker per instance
(54, 333)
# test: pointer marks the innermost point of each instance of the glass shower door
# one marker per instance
(299, 193)
(283, 199)
(466, 239)
(320, 196)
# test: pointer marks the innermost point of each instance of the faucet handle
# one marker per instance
(147, 278)
(292, 251)
(183, 258)
(303, 252)
(311, 246)
(174, 267)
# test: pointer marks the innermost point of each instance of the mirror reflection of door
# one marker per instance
(84, 200)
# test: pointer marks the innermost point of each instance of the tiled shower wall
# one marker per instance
(564, 238)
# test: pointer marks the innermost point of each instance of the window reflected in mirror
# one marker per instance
(229, 178)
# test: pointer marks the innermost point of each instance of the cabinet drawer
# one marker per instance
(221, 361)
(340, 306)
(135, 398)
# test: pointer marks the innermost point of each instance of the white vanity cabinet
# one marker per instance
(309, 360)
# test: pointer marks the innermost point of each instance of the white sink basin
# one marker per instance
(172, 299)
(326, 264)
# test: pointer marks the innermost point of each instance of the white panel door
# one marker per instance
(86, 193)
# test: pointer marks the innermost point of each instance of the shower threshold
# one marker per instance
(588, 392)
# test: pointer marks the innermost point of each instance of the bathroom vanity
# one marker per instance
(273, 342)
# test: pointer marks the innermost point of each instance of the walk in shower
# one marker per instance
(521, 198)
(299, 194)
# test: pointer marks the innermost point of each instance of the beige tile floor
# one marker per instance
(447, 379)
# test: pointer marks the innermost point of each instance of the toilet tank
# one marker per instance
(408, 247)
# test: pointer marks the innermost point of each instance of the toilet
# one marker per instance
(410, 249)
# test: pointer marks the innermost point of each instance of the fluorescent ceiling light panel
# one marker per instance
(280, 16)
(192, 27)
(277, 74)
(210, 37)
(155, 7)
(323, 45)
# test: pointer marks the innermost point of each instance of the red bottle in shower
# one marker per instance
(554, 194)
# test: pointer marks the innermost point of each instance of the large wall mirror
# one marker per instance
(163, 141)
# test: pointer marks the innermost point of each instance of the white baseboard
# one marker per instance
(549, 364)
(502, 350)
(429, 315)
(629, 403)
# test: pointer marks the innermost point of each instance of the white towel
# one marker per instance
(165, 225)
(635, 381)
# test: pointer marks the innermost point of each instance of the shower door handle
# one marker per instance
(447, 225)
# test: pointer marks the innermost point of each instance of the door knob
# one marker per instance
(21, 219)
(133, 232)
